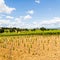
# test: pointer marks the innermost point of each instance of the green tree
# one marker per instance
(12, 30)
(33, 29)
(1, 30)
(42, 28)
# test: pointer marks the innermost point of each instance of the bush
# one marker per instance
(12, 30)
(42, 28)
(33, 29)
(1, 30)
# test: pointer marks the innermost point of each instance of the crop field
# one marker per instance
(30, 47)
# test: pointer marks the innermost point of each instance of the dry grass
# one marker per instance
(31, 47)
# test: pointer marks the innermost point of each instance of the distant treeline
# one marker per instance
(3, 29)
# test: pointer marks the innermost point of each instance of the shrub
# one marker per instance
(1, 30)
(42, 28)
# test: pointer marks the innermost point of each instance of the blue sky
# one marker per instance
(30, 13)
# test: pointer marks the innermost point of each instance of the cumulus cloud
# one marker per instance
(48, 23)
(4, 8)
(9, 17)
(30, 12)
(0, 17)
(37, 1)
(27, 17)
(52, 21)
(4, 22)
(15, 24)
(19, 22)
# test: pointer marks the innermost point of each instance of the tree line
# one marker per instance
(3, 29)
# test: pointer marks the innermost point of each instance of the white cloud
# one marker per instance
(52, 21)
(21, 23)
(48, 23)
(27, 17)
(30, 12)
(0, 17)
(37, 1)
(3, 22)
(4, 8)
(9, 17)
(19, 18)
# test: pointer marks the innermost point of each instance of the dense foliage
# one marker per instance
(35, 31)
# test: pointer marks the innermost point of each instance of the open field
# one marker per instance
(36, 32)
(30, 47)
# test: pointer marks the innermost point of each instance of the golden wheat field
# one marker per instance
(32, 47)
